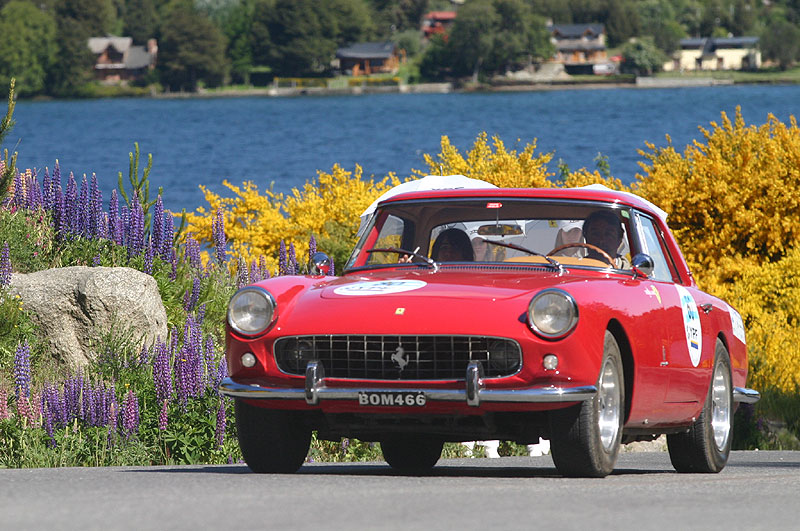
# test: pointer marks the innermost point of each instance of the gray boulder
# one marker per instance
(73, 307)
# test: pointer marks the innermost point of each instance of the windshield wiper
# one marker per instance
(554, 263)
(415, 252)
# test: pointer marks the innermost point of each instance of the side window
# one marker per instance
(652, 242)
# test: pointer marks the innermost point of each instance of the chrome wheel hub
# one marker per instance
(720, 408)
(608, 405)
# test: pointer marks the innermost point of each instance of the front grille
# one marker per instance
(399, 357)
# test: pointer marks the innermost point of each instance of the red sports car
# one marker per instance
(511, 314)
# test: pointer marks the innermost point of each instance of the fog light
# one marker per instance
(550, 362)
(248, 360)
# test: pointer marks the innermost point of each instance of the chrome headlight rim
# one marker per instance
(270, 304)
(571, 322)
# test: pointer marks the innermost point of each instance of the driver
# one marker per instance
(603, 229)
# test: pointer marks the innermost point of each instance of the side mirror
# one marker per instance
(642, 265)
(320, 264)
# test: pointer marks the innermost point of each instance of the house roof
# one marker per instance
(440, 15)
(137, 57)
(709, 44)
(575, 31)
(98, 44)
(367, 50)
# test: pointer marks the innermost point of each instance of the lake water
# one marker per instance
(286, 140)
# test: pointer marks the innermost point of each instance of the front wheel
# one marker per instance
(706, 446)
(411, 454)
(272, 441)
(585, 439)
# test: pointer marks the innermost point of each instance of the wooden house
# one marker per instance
(366, 58)
(117, 60)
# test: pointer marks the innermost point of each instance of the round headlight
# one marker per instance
(553, 313)
(251, 310)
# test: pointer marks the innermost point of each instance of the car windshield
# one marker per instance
(489, 231)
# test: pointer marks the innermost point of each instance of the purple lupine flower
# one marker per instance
(162, 374)
(87, 402)
(162, 417)
(254, 276)
(83, 212)
(144, 356)
(192, 254)
(157, 225)
(188, 362)
(282, 265)
(242, 276)
(221, 423)
(263, 270)
(24, 411)
(130, 414)
(33, 199)
(291, 261)
(135, 228)
(312, 247)
(72, 394)
(71, 206)
(115, 231)
(218, 232)
(22, 370)
(5, 266)
(96, 214)
(168, 229)
(4, 412)
(97, 261)
(190, 298)
(149, 255)
(61, 218)
(221, 373)
(18, 199)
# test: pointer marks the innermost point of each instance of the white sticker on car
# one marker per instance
(382, 287)
(737, 324)
(691, 325)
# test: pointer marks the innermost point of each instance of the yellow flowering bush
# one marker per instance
(255, 224)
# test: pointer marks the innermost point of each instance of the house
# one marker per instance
(437, 22)
(716, 53)
(579, 46)
(366, 58)
(117, 60)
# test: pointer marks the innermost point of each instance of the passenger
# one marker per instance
(603, 229)
(452, 245)
(482, 250)
(569, 231)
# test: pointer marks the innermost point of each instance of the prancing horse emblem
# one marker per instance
(398, 358)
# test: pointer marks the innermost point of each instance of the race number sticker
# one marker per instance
(691, 324)
(737, 324)
(383, 287)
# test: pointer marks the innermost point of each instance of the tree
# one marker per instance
(658, 19)
(192, 49)
(27, 46)
(472, 36)
(72, 68)
(781, 42)
(642, 57)
(141, 20)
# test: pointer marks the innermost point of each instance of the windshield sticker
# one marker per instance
(691, 324)
(383, 287)
(737, 324)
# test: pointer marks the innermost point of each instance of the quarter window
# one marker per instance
(655, 249)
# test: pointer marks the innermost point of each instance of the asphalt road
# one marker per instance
(757, 490)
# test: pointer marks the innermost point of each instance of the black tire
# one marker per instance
(411, 454)
(585, 439)
(706, 446)
(272, 441)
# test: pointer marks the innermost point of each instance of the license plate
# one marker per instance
(390, 398)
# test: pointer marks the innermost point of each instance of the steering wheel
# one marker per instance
(598, 250)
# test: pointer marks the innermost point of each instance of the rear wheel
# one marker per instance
(585, 439)
(411, 454)
(706, 446)
(272, 441)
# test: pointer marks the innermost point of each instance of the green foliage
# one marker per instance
(642, 57)
(27, 46)
(780, 42)
(191, 49)
(140, 186)
(8, 166)
(141, 20)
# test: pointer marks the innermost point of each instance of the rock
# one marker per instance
(74, 307)
(656, 445)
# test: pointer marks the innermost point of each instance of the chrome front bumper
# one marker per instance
(473, 393)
